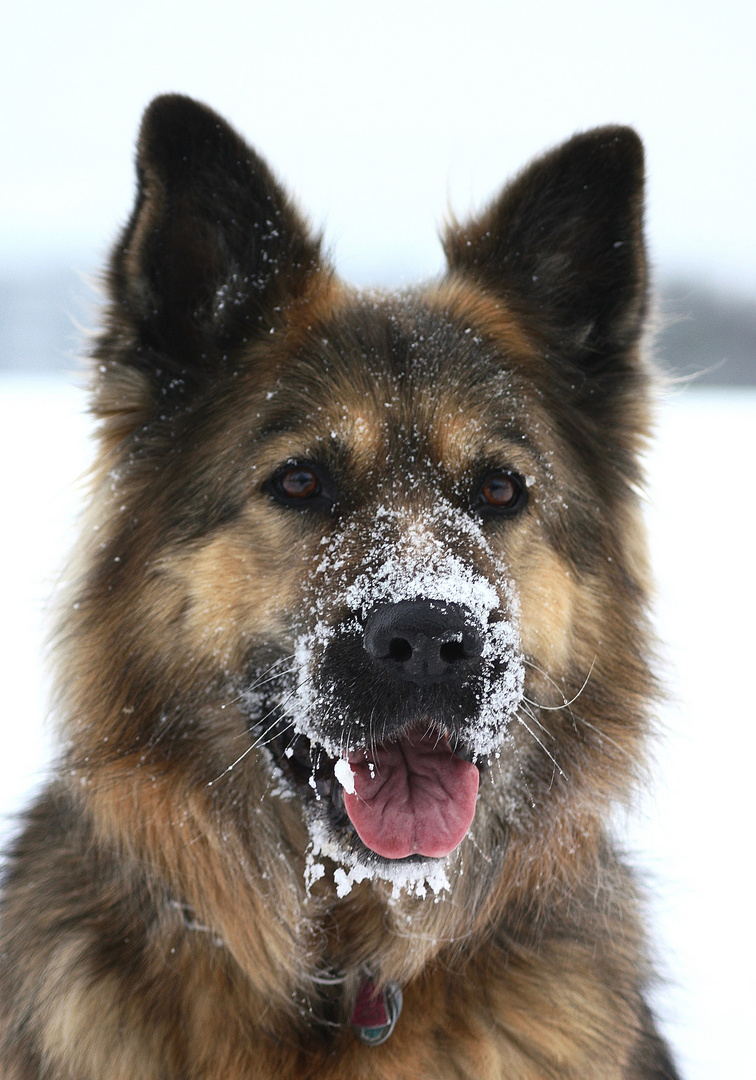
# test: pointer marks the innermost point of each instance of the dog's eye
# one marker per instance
(298, 482)
(503, 493)
(301, 485)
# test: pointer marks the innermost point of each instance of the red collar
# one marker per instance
(375, 1011)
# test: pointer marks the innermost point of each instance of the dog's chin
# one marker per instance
(347, 796)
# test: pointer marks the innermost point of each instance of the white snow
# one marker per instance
(411, 879)
(343, 772)
(694, 833)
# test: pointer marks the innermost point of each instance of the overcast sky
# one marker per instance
(380, 116)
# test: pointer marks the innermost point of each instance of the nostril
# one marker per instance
(399, 649)
(423, 641)
(451, 652)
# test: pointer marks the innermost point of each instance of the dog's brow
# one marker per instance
(289, 423)
(515, 437)
(499, 442)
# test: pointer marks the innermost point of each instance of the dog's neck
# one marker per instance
(374, 1010)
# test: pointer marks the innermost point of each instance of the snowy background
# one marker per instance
(378, 118)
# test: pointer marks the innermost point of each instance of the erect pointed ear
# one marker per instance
(564, 241)
(213, 246)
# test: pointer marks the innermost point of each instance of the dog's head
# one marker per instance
(381, 550)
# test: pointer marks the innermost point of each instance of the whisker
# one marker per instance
(603, 735)
(497, 763)
(346, 739)
(227, 704)
(527, 708)
(264, 678)
(478, 848)
(290, 743)
(545, 749)
(231, 766)
(574, 716)
(280, 705)
(413, 935)
(258, 742)
(566, 705)
(322, 980)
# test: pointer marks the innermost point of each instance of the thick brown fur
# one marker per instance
(167, 912)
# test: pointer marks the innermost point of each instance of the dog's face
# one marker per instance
(372, 548)
(398, 501)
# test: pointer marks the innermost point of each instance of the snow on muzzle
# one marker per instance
(416, 679)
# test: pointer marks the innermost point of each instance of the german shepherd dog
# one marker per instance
(354, 661)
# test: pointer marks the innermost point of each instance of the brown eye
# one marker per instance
(502, 492)
(303, 486)
(298, 482)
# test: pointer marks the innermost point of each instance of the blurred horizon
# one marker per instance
(377, 121)
(704, 333)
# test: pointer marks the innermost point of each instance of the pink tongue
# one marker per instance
(412, 797)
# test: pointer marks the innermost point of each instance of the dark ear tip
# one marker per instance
(164, 112)
(615, 143)
(169, 110)
(176, 128)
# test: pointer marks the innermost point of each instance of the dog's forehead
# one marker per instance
(444, 368)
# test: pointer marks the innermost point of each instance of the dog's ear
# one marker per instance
(212, 248)
(564, 242)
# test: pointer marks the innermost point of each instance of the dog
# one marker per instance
(354, 661)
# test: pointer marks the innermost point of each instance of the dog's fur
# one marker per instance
(280, 456)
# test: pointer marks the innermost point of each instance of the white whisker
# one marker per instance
(527, 706)
(566, 704)
(263, 678)
(603, 735)
(545, 749)
(259, 741)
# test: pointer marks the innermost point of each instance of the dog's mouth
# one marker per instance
(411, 796)
(414, 796)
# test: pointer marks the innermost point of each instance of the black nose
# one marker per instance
(423, 641)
